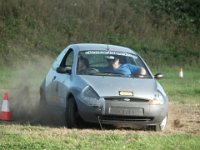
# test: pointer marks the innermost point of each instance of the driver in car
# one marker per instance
(125, 69)
(83, 64)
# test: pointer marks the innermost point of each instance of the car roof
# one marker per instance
(106, 47)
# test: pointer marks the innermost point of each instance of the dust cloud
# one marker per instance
(24, 94)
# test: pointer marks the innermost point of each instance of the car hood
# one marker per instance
(107, 86)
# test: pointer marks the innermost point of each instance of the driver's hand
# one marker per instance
(143, 72)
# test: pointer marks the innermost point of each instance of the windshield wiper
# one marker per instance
(111, 74)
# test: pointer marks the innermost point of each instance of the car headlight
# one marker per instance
(158, 99)
(89, 96)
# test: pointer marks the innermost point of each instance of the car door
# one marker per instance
(51, 79)
(50, 87)
(62, 79)
(50, 82)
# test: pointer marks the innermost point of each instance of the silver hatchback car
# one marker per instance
(105, 84)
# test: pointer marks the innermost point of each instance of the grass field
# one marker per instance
(184, 96)
(184, 89)
(32, 137)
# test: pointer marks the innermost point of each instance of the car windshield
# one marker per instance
(110, 63)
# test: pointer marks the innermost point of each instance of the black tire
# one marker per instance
(71, 113)
(152, 128)
(42, 95)
(42, 99)
(158, 127)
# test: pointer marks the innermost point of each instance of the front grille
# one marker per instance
(129, 99)
(126, 118)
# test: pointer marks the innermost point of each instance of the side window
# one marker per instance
(68, 60)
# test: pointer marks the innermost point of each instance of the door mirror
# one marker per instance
(64, 70)
(158, 76)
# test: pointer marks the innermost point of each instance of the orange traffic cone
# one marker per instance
(181, 73)
(5, 111)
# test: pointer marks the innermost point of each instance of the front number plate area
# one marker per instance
(126, 111)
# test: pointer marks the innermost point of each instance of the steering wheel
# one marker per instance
(92, 70)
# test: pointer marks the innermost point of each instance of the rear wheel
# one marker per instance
(71, 113)
(42, 101)
(42, 95)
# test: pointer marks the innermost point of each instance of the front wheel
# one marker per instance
(158, 127)
(71, 113)
(163, 124)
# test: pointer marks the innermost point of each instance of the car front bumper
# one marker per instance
(123, 112)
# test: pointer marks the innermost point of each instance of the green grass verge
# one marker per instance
(181, 89)
(32, 137)
(6, 76)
